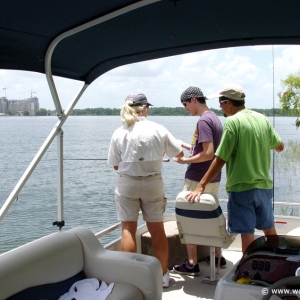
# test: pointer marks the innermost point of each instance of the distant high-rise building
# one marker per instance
(20, 106)
(3, 105)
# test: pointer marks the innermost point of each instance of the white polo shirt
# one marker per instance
(137, 150)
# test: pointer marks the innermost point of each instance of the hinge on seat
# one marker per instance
(223, 232)
(180, 233)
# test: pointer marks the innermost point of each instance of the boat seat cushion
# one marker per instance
(55, 290)
(202, 223)
(48, 291)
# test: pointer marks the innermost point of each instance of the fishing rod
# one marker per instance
(80, 159)
(164, 159)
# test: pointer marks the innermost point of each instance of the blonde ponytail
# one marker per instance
(129, 113)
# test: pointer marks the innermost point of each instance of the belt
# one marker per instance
(141, 177)
(147, 175)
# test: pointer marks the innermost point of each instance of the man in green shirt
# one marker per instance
(245, 147)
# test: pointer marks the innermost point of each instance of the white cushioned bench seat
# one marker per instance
(62, 256)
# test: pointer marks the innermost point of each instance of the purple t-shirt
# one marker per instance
(209, 129)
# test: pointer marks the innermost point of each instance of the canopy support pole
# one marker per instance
(59, 38)
(60, 180)
(15, 192)
(62, 115)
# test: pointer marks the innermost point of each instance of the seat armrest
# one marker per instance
(139, 270)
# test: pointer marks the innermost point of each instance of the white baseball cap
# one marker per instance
(231, 90)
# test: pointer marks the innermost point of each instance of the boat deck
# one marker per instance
(186, 287)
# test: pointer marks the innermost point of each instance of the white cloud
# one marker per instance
(195, 60)
(288, 62)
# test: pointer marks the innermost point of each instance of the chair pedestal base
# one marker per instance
(212, 278)
(208, 280)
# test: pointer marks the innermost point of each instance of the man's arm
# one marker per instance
(206, 154)
(280, 147)
(215, 167)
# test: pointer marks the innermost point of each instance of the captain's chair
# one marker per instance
(202, 223)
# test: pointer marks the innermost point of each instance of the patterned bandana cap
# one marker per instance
(191, 92)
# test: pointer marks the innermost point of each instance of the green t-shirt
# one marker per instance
(245, 145)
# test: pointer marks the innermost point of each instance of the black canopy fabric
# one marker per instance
(163, 28)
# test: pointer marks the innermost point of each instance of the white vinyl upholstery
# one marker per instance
(61, 255)
(124, 267)
(37, 263)
(202, 223)
(294, 232)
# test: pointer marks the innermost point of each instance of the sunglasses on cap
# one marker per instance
(222, 101)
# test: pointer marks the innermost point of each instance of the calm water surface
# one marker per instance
(89, 184)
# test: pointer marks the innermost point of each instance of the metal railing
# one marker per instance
(115, 226)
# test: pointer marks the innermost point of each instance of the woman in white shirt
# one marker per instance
(136, 151)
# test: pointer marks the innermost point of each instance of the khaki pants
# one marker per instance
(191, 185)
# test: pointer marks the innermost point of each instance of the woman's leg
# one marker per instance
(128, 240)
(159, 243)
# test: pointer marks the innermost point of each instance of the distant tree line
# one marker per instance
(96, 112)
(156, 111)
(168, 111)
(179, 111)
(43, 112)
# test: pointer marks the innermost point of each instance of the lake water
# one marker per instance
(89, 184)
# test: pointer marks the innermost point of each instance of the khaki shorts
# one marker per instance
(133, 193)
(191, 185)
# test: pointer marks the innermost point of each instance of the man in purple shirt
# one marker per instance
(205, 141)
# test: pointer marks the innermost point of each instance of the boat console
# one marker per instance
(263, 268)
(270, 265)
(269, 259)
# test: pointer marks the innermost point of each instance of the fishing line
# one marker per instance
(273, 154)
(85, 159)
(54, 159)
(164, 159)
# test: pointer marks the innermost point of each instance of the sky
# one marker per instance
(163, 80)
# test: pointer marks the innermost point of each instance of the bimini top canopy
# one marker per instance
(129, 31)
